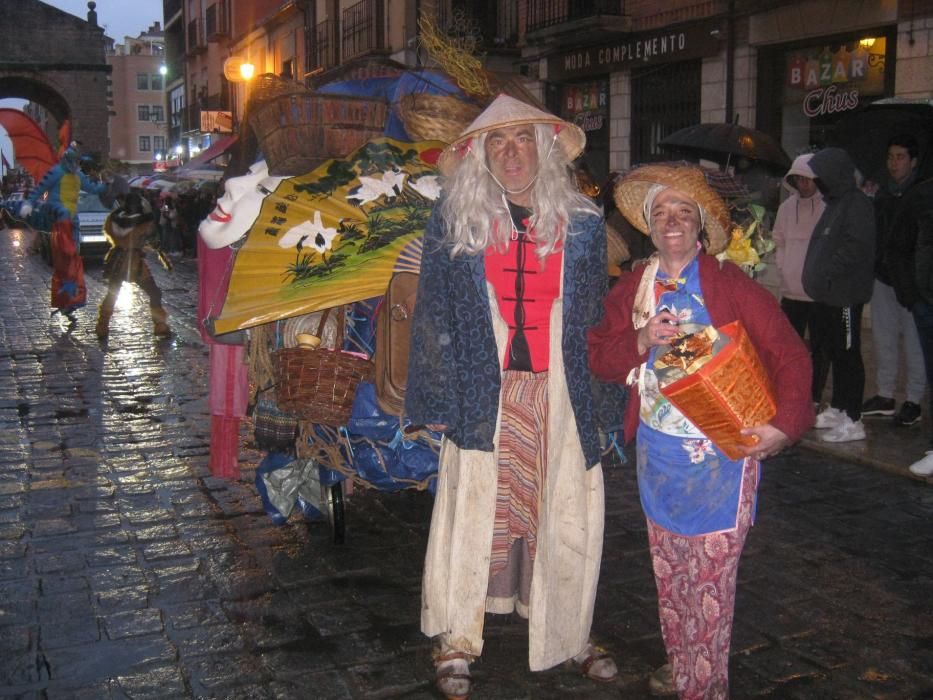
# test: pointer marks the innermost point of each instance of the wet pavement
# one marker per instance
(127, 570)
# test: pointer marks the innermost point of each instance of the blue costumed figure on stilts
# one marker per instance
(62, 183)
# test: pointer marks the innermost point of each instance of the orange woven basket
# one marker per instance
(730, 392)
(319, 385)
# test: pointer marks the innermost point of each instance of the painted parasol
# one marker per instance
(335, 235)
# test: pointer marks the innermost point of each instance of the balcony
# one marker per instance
(170, 8)
(217, 20)
(493, 24)
(567, 20)
(363, 29)
(321, 48)
(196, 40)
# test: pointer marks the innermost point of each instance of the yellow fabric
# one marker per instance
(70, 187)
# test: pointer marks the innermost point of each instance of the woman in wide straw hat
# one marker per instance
(699, 503)
(512, 277)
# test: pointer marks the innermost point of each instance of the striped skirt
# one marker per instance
(521, 474)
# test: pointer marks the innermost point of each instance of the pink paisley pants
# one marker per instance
(695, 576)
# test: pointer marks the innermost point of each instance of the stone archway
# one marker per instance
(59, 61)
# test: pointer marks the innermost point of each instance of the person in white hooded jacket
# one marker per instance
(793, 226)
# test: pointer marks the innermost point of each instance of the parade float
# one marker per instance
(308, 270)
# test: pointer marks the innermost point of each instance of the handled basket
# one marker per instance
(319, 385)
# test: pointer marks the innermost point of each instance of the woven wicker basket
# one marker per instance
(430, 117)
(319, 385)
(298, 129)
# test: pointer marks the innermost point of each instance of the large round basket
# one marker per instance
(430, 117)
(298, 131)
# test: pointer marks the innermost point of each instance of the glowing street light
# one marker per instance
(247, 70)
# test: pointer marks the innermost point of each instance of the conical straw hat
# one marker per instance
(507, 111)
(631, 190)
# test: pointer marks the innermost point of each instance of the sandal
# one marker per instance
(596, 664)
(452, 677)
(661, 681)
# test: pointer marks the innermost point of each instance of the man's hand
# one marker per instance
(770, 441)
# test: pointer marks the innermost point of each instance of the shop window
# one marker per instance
(586, 104)
(658, 112)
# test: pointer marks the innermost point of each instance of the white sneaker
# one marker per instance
(829, 418)
(847, 431)
(923, 467)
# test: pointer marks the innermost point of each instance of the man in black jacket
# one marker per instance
(910, 252)
(891, 301)
(838, 275)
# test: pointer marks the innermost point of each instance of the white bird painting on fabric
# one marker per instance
(427, 186)
(372, 188)
(313, 234)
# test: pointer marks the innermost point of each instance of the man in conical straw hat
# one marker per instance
(513, 272)
(698, 500)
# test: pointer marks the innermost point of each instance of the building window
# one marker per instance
(142, 81)
(158, 143)
(144, 145)
(658, 113)
(157, 113)
(155, 80)
(142, 113)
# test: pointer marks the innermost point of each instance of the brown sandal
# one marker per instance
(594, 655)
(447, 681)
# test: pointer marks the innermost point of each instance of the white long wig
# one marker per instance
(475, 209)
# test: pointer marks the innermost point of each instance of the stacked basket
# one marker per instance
(430, 117)
(298, 129)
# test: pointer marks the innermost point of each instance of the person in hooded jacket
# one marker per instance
(838, 274)
(793, 227)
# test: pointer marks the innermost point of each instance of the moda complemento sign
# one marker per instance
(635, 50)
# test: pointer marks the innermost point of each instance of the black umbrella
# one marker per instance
(864, 134)
(714, 141)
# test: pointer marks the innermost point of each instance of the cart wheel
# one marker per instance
(335, 513)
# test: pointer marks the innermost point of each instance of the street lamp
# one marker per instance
(163, 70)
(247, 70)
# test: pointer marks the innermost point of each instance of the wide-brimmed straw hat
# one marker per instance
(631, 190)
(507, 111)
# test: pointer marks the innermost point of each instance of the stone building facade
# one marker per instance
(57, 60)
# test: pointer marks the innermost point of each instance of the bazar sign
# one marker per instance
(645, 49)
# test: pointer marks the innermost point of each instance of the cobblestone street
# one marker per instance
(128, 571)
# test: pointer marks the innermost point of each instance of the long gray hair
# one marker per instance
(475, 210)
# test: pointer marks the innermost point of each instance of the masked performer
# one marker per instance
(62, 183)
(129, 229)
